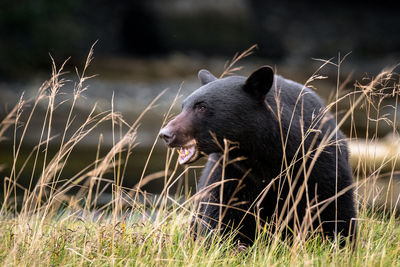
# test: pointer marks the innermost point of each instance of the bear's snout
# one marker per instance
(167, 135)
(178, 132)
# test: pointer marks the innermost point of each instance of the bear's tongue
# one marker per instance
(185, 153)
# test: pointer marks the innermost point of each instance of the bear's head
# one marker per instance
(221, 108)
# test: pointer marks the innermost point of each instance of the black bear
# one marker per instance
(276, 158)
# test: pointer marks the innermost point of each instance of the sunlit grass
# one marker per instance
(73, 239)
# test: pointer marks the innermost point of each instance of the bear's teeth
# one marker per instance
(185, 153)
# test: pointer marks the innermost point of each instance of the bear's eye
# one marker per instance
(201, 107)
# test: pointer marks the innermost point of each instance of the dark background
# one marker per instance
(289, 32)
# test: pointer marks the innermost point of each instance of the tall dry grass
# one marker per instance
(51, 226)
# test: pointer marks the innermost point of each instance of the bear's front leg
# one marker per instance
(223, 204)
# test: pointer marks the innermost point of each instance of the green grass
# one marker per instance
(46, 224)
(74, 240)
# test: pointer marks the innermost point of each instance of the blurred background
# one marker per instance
(144, 47)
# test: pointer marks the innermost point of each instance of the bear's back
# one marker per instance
(289, 91)
(296, 102)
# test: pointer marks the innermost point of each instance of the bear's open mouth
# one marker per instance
(188, 153)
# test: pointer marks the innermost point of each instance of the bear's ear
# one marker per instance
(205, 77)
(259, 82)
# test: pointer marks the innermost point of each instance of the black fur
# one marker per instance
(255, 113)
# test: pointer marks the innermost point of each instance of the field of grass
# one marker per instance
(44, 224)
(133, 239)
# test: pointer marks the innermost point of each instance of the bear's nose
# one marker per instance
(167, 136)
